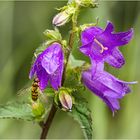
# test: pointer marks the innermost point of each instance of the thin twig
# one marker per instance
(47, 124)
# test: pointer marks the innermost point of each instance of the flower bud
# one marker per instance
(38, 109)
(65, 100)
(61, 18)
(64, 16)
(53, 34)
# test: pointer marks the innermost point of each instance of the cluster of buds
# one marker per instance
(68, 11)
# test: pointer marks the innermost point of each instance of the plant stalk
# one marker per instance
(47, 124)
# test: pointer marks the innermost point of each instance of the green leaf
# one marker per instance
(49, 91)
(16, 110)
(82, 114)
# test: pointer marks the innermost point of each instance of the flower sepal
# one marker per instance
(54, 36)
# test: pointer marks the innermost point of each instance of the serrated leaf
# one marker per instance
(82, 114)
(16, 110)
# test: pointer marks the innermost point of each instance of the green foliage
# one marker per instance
(53, 34)
(18, 41)
(38, 110)
(73, 78)
(40, 49)
(82, 114)
(49, 92)
(16, 110)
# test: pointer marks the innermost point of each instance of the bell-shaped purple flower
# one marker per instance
(102, 45)
(107, 87)
(48, 67)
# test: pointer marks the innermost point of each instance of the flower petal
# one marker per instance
(52, 57)
(109, 28)
(56, 78)
(96, 67)
(32, 72)
(122, 38)
(107, 87)
(111, 40)
(35, 66)
(88, 34)
(111, 82)
(86, 49)
(113, 104)
(92, 50)
(112, 94)
(43, 77)
(115, 58)
(98, 89)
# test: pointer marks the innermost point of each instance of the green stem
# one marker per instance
(71, 42)
(47, 124)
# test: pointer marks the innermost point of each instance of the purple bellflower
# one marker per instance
(48, 67)
(107, 87)
(101, 45)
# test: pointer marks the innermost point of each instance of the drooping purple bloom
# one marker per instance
(107, 87)
(48, 67)
(102, 45)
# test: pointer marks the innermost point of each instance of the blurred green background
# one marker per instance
(21, 31)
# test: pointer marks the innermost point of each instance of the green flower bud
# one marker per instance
(38, 109)
(53, 34)
(65, 100)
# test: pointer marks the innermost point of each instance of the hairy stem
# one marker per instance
(47, 124)
(71, 42)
